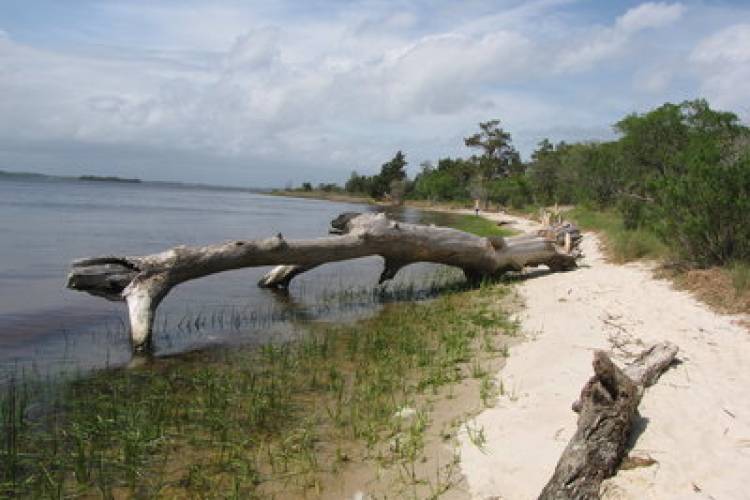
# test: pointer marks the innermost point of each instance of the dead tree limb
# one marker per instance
(143, 281)
(607, 408)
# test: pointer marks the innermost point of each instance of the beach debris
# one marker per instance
(607, 409)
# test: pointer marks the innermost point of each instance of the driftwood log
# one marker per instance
(143, 281)
(607, 408)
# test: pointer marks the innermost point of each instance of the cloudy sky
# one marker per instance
(266, 92)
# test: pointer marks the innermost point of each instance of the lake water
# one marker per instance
(45, 224)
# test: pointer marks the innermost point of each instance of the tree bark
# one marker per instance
(607, 408)
(143, 281)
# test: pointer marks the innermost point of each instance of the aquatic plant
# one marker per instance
(251, 421)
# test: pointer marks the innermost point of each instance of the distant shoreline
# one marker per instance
(325, 196)
(109, 178)
(352, 198)
(32, 176)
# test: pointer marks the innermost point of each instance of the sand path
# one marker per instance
(697, 418)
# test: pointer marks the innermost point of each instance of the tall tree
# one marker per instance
(392, 170)
(544, 172)
(498, 156)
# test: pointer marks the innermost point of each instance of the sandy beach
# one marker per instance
(696, 419)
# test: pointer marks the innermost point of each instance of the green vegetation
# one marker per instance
(677, 177)
(740, 273)
(390, 181)
(479, 226)
(623, 244)
(252, 422)
(496, 175)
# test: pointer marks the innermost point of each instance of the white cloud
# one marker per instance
(650, 15)
(730, 45)
(597, 45)
(258, 98)
(722, 62)
(653, 80)
(256, 49)
(439, 74)
(344, 89)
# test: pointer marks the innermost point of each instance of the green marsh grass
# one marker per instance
(479, 226)
(253, 422)
(256, 422)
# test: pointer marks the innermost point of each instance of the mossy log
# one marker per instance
(607, 408)
(143, 281)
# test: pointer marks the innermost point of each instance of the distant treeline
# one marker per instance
(5, 173)
(680, 170)
(108, 178)
(33, 175)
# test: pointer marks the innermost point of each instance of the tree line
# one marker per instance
(680, 170)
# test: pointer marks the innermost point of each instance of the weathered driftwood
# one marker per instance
(142, 282)
(607, 408)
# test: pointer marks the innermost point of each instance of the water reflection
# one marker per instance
(68, 332)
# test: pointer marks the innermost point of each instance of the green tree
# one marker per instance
(357, 183)
(661, 143)
(395, 169)
(514, 191)
(544, 172)
(379, 185)
(498, 156)
(655, 143)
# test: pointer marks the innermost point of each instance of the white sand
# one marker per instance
(698, 414)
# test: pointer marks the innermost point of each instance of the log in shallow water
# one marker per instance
(143, 281)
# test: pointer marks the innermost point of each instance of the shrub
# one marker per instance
(514, 191)
(704, 213)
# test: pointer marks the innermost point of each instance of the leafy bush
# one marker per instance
(627, 245)
(514, 191)
(705, 212)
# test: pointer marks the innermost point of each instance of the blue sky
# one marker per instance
(264, 93)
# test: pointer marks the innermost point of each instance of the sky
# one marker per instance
(267, 93)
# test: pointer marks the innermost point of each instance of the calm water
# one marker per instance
(44, 225)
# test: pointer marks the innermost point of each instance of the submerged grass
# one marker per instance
(253, 423)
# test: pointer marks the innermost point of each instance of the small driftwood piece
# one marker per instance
(143, 281)
(607, 408)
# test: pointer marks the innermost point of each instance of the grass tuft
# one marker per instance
(623, 245)
(740, 273)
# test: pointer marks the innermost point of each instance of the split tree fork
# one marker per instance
(143, 281)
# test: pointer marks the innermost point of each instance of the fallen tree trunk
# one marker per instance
(143, 281)
(607, 408)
